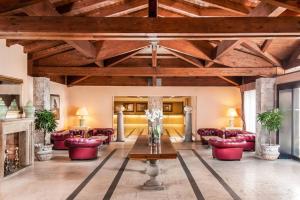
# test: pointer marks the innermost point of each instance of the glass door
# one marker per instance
(296, 123)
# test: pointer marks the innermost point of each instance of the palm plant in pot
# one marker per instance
(44, 122)
(271, 121)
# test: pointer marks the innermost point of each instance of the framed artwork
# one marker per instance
(129, 107)
(55, 105)
(141, 107)
(167, 107)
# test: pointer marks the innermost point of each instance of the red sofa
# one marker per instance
(227, 149)
(102, 131)
(82, 148)
(239, 134)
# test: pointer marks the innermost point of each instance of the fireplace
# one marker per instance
(16, 142)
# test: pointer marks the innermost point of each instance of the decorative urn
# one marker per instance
(29, 110)
(3, 109)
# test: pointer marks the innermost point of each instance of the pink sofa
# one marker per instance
(209, 132)
(82, 148)
(102, 131)
(58, 138)
(227, 149)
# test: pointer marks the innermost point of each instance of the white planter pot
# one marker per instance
(270, 152)
(43, 152)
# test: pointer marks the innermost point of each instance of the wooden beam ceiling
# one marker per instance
(94, 28)
(290, 5)
(150, 71)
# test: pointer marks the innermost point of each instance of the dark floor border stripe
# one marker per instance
(190, 178)
(130, 133)
(178, 133)
(217, 176)
(116, 180)
(168, 133)
(90, 176)
(142, 131)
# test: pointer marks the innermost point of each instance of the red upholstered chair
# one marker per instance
(82, 148)
(102, 131)
(248, 136)
(209, 132)
(227, 149)
(58, 139)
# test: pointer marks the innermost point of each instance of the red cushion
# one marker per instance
(60, 135)
(247, 137)
(228, 143)
(210, 132)
(82, 142)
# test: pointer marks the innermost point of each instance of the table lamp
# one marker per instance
(82, 113)
(231, 113)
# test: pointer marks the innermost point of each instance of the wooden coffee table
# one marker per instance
(141, 150)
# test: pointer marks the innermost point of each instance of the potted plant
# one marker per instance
(271, 121)
(45, 122)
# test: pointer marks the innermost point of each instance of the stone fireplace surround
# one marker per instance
(24, 127)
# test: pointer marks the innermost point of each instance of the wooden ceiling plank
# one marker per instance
(229, 80)
(108, 49)
(294, 59)
(262, 9)
(118, 59)
(229, 5)
(266, 45)
(150, 72)
(40, 45)
(51, 51)
(191, 60)
(45, 8)
(291, 5)
(255, 48)
(95, 28)
(76, 80)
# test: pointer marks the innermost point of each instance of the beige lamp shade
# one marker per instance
(231, 112)
(82, 112)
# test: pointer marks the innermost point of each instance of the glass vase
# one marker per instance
(154, 134)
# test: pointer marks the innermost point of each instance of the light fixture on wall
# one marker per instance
(231, 113)
(82, 113)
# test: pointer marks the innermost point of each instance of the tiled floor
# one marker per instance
(249, 178)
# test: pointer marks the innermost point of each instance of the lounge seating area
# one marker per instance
(149, 99)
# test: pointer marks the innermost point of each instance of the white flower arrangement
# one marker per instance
(154, 115)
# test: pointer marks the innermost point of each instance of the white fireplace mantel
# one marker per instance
(24, 126)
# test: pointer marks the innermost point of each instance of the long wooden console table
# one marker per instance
(143, 151)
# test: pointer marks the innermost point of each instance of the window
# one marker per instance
(250, 110)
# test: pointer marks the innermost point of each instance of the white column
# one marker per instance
(265, 100)
(120, 124)
(188, 124)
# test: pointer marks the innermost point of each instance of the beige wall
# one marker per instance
(13, 63)
(209, 103)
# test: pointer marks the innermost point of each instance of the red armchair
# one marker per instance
(58, 138)
(227, 149)
(82, 148)
(209, 132)
(102, 131)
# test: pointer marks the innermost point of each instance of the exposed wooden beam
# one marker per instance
(8, 5)
(51, 51)
(154, 53)
(152, 8)
(45, 8)
(150, 71)
(290, 5)
(255, 48)
(233, 82)
(229, 5)
(71, 81)
(94, 28)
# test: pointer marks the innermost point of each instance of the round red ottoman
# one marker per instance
(227, 149)
(82, 148)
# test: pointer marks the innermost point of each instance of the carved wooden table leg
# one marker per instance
(153, 172)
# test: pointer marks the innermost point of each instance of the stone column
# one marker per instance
(188, 124)
(265, 100)
(120, 124)
(41, 93)
(41, 101)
